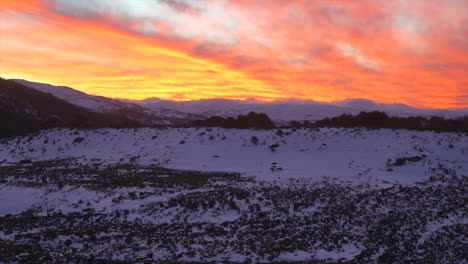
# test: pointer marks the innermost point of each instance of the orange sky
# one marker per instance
(408, 51)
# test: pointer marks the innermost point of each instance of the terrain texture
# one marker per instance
(199, 195)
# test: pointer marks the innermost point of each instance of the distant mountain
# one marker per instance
(99, 104)
(24, 110)
(156, 111)
(284, 111)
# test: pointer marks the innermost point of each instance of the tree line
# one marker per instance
(377, 119)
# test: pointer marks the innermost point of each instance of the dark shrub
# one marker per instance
(251, 120)
(78, 140)
(254, 140)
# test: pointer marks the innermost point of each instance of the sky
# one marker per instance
(406, 51)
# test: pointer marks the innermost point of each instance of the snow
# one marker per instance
(156, 116)
(15, 199)
(350, 154)
(94, 103)
(298, 255)
(346, 252)
(318, 187)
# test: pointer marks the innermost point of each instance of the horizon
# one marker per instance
(233, 131)
(253, 100)
(402, 52)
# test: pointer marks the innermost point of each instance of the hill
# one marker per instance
(100, 104)
(24, 110)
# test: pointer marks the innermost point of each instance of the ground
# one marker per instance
(321, 196)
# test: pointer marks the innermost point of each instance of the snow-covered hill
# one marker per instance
(364, 155)
(155, 116)
(209, 195)
(94, 103)
(167, 112)
(287, 110)
(25, 110)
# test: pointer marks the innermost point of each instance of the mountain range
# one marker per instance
(100, 104)
(283, 111)
(27, 106)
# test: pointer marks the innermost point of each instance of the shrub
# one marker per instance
(254, 140)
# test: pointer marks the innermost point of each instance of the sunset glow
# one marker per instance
(406, 51)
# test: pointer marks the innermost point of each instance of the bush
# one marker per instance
(254, 140)
(251, 120)
(378, 119)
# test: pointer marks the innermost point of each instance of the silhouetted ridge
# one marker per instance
(251, 120)
(378, 119)
(25, 110)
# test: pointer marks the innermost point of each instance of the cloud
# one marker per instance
(409, 51)
(357, 56)
(185, 19)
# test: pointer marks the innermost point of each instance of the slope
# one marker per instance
(355, 154)
(101, 104)
(23, 110)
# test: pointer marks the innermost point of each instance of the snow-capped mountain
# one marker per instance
(94, 103)
(100, 104)
(286, 110)
(155, 111)
(24, 110)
